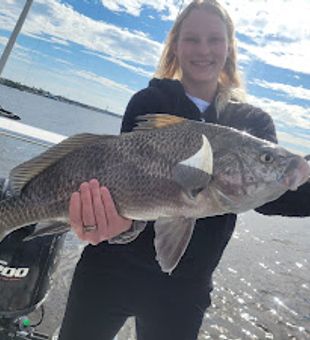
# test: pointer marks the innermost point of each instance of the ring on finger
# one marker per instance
(90, 227)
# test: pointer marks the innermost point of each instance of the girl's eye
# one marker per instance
(216, 40)
(191, 39)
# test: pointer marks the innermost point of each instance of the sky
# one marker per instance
(100, 52)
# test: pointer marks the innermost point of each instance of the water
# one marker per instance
(262, 285)
(47, 114)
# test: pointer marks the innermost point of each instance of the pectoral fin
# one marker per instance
(192, 180)
(172, 237)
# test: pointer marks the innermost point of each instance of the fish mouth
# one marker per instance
(296, 173)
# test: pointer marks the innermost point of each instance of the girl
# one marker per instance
(197, 79)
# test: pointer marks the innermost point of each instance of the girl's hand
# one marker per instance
(93, 216)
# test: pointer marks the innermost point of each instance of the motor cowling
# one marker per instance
(26, 268)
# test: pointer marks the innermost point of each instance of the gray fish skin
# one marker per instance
(156, 173)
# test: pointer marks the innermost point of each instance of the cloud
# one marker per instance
(278, 31)
(290, 56)
(286, 89)
(291, 121)
(103, 81)
(59, 23)
(22, 53)
(104, 93)
(138, 70)
(294, 143)
(3, 41)
(168, 8)
(285, 115)
(258, 19)
(253, 18)
(275, 39)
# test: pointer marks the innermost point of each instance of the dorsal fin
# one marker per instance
(157, 121)
(24, 172)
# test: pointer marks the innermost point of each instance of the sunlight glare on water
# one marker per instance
(262, 283)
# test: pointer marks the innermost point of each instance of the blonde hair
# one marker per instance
(230, 83)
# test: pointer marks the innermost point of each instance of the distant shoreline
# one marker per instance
(47, 94)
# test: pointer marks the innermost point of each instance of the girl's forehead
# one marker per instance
(202, 21)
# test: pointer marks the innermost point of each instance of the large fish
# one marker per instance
(168, 169)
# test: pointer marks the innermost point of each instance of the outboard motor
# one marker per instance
(26, 275)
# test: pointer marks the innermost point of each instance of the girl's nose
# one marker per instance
(204, 47)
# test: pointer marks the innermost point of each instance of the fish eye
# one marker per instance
(266, 157)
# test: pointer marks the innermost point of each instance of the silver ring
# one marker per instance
(90, 228)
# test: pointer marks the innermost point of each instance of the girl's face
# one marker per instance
(201, 48)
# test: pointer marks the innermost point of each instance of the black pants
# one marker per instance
(109, 286)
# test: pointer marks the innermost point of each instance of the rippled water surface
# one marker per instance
(262, 285)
